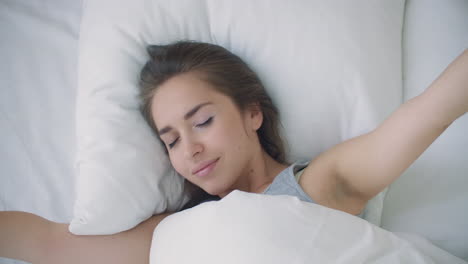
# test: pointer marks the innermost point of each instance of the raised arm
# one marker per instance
(369, 163)
(31, 238)
(349, 174)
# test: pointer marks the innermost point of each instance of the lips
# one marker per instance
(205, 167)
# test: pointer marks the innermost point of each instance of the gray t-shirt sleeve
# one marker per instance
(285, 183)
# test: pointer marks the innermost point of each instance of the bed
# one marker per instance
(38, 117)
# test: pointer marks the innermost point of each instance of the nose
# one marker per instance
(192, 148)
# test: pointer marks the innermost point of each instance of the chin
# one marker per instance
(212, 190)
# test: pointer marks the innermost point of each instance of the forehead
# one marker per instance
(178, 95)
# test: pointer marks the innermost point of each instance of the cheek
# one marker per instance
(231, 135)
(178, 164)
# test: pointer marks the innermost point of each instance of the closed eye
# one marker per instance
(206, 123)
(171, 145)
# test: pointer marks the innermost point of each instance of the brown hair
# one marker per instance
(225, 71)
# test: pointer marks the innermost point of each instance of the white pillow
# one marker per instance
(332, 67)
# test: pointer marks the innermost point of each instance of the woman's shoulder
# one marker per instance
(320, 181)
(286, 184)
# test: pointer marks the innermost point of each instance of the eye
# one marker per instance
(172, 144)
(206, 123)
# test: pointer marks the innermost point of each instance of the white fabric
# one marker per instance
(252, 228)
(38, 51)
(431, 196)
(37, 94)
(332, 67)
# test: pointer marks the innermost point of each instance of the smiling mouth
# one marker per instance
(205, 170)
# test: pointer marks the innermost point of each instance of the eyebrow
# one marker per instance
(188, 115)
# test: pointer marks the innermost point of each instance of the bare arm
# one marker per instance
(22, 234)
(369, 163)
(348, 175)
(34, 239)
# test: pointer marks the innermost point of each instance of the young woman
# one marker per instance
(220, 130)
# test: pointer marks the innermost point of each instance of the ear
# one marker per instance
(255, 116)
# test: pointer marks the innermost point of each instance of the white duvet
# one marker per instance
(253, 228)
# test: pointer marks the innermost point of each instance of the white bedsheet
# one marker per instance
(38, 51)
(253, 228)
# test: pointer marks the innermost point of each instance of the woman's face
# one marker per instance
(209, 141)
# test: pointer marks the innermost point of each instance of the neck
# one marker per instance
(267, 172)
(259, 174)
